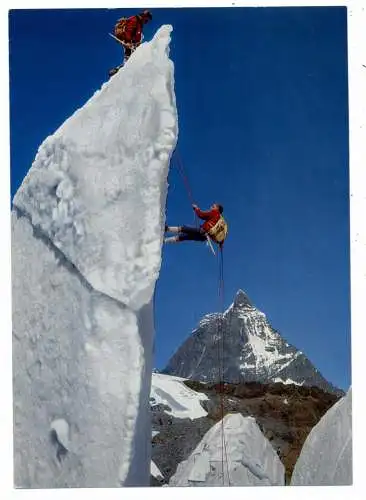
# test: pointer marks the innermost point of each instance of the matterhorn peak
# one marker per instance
(253, 351)
(242, 300)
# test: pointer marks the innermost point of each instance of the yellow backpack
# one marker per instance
(219, 231)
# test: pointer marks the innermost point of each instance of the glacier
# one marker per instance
(326, 456)
(87, 231)
(249, 460)
(172, 392)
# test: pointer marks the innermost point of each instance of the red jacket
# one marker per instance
(210, 217)
(133, 30)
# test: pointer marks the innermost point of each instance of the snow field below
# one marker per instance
(171, 391)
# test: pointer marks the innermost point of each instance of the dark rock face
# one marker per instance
(285, 414)
(250, 348)
(176, 440)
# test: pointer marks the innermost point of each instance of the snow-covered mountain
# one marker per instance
(326, 457)
(87, 230)
(251, 351)
(239, 445)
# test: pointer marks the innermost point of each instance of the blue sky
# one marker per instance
(263, 118)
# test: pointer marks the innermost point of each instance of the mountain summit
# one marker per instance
(242, 300)
(252, 350)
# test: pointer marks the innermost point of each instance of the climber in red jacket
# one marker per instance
(214, 227)
(129, 31)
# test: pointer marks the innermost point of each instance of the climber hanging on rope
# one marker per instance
(214, 227)
(128, 31)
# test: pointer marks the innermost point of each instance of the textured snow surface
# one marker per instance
(86, 248)
(326, 457)
(251, 460)
(182, 401)
(96, 185)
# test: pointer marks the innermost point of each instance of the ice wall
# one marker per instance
(249, 459)
(87, 228)
(326, 457)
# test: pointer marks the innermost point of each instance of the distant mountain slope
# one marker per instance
(252, 351)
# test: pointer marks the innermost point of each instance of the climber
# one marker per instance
(214, 227)
(129, 32)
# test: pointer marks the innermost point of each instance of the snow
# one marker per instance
(252, 314)
(207, 319)
(259, 349)
(155, 471)
(292, 358)
(287, 381)
(182, 401)
(61, 428)
(250, 459)
(326, 457)
(82, 188)
(87, 229)
(246, 366)
(265, 357)
(263, 343)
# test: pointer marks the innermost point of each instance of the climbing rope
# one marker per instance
(220, 323)
(184, 176)
(182, 171)
(221, 337)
